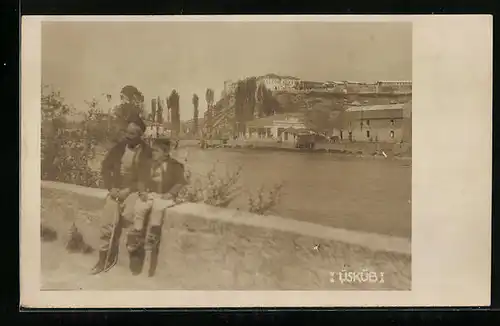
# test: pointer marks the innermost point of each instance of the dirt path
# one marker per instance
(64, 271)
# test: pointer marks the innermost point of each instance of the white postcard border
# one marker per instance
(451, 175)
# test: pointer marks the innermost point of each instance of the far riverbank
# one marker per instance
(360, 150)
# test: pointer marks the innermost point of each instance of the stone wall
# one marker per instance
(207, 248)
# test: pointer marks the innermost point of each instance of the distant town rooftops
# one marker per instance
(394, 81)
(268, 121)
(272, 75)
(337, 82)
(379, 107)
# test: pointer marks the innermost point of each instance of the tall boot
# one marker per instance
(135, 246)
(136, 262)
(152, 248)
(101, 263)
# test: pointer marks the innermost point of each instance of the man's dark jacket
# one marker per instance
(141, 172)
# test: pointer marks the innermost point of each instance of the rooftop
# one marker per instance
(394, 81)
(268, 121)
(271, 75)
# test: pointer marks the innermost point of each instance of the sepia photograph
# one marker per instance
(226, 155)
(298, 148)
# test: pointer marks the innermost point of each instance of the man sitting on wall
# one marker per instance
(126, 173)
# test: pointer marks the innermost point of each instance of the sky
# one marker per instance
(86, 59)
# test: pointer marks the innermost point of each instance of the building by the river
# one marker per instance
(378, 123)
(281, 127)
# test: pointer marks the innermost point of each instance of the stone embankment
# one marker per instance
(208, 248)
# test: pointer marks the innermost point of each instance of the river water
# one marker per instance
(366, 194)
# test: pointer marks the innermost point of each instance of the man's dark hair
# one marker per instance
(136, 119)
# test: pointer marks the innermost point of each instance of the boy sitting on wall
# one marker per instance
(167, 179)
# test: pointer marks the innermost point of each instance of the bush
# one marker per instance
(67, 149)
(219, 192)
(66, 158)
(222, 191)
(261, 204)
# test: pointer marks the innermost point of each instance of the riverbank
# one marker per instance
(360, 150)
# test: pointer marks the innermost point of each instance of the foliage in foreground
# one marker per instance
(221, 191)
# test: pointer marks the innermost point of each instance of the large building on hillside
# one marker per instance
(230, 87)
(274, 82)
(278, 83)
(378, 123)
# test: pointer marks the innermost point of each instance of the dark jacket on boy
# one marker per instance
(172, 179)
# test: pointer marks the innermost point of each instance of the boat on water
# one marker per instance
(213, 143)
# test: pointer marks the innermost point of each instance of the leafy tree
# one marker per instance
(196, 102)
(239, 105)
(245, 103)
(266, 103)
(54, 110)
(153, 110)
(209, 98)
(159, 111)
(66, 153)
(251, 89)
(130, 94)
(173, 102)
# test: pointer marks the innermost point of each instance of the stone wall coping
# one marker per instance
(372, 241)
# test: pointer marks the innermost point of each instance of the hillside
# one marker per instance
(303, 101)
(322, 109)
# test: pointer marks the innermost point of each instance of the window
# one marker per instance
(367, 122)
(368, 134)
(392, 122)
(392, 134)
